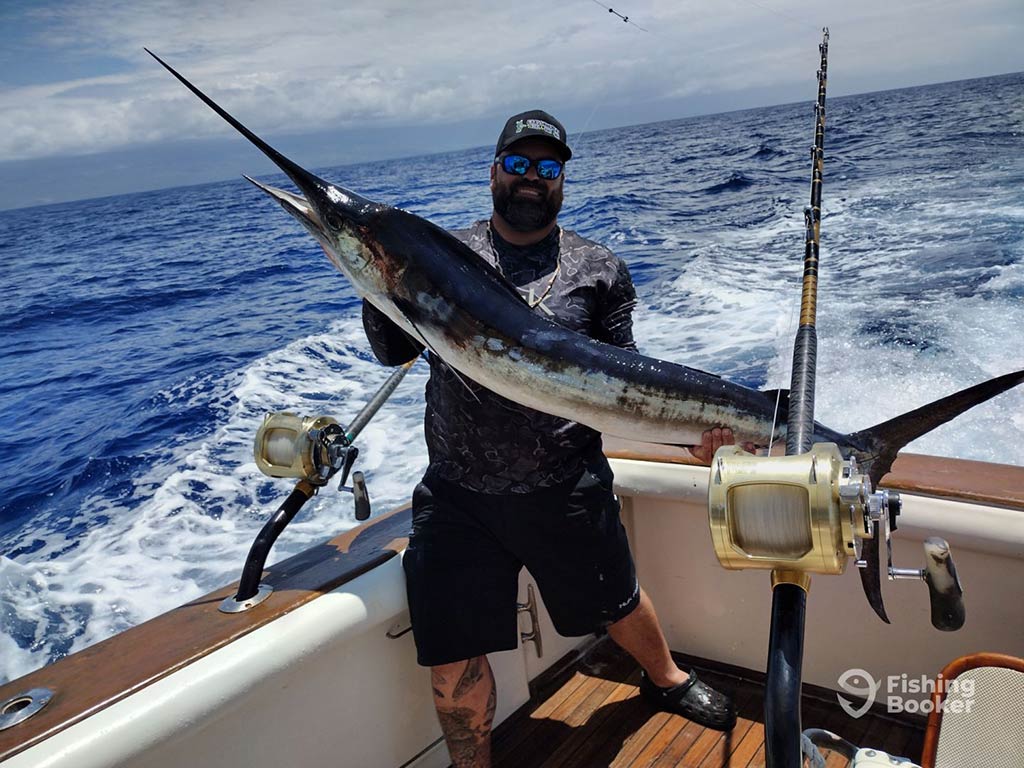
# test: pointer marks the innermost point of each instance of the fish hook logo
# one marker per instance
(851, 681)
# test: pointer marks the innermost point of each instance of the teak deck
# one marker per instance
(592, 716)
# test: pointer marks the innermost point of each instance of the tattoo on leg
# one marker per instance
(492, 705)
(466, 744)
(467, 712)
(472, 675)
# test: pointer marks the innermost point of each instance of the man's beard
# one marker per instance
(527, 214)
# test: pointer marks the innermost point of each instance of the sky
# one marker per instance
(85, 112)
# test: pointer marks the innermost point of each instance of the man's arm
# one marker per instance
(390, 344)
(615, 310)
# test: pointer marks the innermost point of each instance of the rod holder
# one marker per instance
(22, 706)
(250, 591)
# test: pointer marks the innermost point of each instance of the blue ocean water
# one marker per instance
(144, 336)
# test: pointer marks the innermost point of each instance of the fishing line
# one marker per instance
(775, 420)
(626, 19)
(579, 134)
(778, 390)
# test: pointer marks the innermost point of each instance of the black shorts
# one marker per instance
(467, 548)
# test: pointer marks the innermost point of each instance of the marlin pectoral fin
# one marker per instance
(423, 338)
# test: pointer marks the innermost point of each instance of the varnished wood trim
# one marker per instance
(1001, 485)
(980, 481)
(952, 671)
(90, 680)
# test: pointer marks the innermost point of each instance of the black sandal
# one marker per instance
(693, 700)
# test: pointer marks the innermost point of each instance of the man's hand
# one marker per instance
(712, 440)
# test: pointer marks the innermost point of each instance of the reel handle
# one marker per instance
(944, 590)
(361, 496)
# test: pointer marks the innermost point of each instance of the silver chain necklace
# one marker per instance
(554, 275)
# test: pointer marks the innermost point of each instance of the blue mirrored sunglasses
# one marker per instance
(519, 165)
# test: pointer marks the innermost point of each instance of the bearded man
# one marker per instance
(508, 486)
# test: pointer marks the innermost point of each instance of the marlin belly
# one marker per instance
(604, 399)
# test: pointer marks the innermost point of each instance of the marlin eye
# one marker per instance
(333, 221)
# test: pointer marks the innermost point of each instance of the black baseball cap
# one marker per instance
(536, 122)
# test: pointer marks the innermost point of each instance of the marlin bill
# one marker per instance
(443, 294)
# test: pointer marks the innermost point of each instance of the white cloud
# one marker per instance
(283, 67)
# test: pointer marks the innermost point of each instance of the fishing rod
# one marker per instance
(789, 593)
(313, 449)
(800, 422)
(811, 510)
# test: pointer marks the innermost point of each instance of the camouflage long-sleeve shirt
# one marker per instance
(483, 441)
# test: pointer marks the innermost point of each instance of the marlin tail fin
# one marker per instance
(876, 447)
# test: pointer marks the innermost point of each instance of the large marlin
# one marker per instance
(443, 294)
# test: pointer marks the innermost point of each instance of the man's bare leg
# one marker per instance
(640, 635)
(465, 699)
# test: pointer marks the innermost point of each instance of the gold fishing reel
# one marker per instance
(809, 513)
(288, 445)
(312, 449)
(798, 513)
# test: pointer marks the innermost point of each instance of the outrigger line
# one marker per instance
(763, 7)
(624, 18)
(779, 13)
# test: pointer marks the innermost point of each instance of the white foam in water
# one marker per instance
(860, 385)
(22, 586)
(190, 520)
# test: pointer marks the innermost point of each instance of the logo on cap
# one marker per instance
(538, 125)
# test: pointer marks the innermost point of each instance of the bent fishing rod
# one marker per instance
(313, 449)
(782, 720)
(810, 510)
